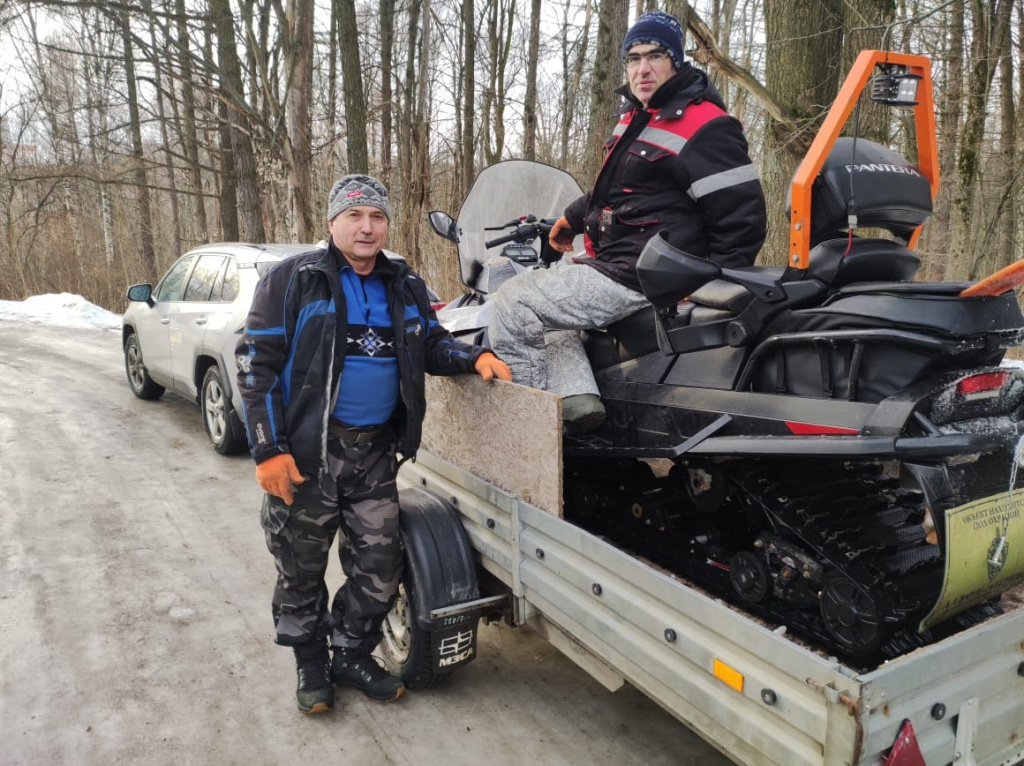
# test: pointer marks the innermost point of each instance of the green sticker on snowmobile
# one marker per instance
(984, 553)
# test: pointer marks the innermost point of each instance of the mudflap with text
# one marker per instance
(454, 641)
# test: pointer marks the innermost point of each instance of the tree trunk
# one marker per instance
(97, 83)
(530, 105)
(959, 264)
(387, 45)
(612, 20)
(865, 23)
(949, 105)
(300, 132)
(499, 34)
(249, 208)
(355, 103)
(802, 73)
(407, 143)
(332, 101)
(188, 131)
(996, 249)
(468, 94)
(420, 198)
(146, 250)
(572, 66)
(156, 46)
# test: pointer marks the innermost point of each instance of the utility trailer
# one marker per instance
(484, 537)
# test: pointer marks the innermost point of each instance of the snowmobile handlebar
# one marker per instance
(523, 232)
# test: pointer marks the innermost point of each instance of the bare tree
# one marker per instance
(146, 250)
(299, 139)
(530, 101)
(387, 39)
(355, 102)
(607, 76)
(804, 44)
(249, 210)
(468, 93)
(188, 131)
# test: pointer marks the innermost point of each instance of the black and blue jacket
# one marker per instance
(292, 351)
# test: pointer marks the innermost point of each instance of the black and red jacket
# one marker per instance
(680, 166)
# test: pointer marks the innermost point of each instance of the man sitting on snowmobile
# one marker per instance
(676, 162)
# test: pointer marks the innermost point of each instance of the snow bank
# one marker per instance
(63, 310)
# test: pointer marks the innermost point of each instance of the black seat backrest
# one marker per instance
(839, 262)
(873, 182)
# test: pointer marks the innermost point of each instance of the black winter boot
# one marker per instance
(358, 669)
(315, 693)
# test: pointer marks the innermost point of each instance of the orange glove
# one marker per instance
(489, 367)
(277, 475)
(561, 236)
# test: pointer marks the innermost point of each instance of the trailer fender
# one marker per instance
(432, 627)
(438, 549)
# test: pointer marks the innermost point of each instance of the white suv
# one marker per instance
(181, 335)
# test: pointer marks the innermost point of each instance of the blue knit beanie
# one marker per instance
(657, 28)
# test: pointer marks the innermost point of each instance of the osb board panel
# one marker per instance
(505, 433)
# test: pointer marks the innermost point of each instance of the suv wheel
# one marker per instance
(227, 435)
(139, 381)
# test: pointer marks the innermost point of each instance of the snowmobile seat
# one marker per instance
(840, 262)
(636, 335)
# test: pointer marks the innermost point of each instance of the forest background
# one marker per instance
(133, 130)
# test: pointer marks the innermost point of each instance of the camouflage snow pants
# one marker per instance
(358, 495)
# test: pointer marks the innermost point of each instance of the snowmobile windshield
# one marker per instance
(501, 193)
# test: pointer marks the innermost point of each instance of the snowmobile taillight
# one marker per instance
(905, 751)
(983, 385)
(813, 429)
(437, 306)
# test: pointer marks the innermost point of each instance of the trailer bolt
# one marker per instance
(490, 523)
(769, 697)
(454, 501)
(938, 711)
(670, 635)
(423, 481)
(596, 589)
(540, 553)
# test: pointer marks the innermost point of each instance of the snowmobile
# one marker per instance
(829, 445)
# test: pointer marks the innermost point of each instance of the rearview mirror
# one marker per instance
(443, 224)
(141, 293)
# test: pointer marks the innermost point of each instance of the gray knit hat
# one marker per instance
(353, 190)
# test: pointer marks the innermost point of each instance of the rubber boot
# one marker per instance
(582, 413)
(359, 670)
(315, 693)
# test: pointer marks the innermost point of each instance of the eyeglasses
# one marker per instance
(654, 58)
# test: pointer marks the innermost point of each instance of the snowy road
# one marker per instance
(135, 620)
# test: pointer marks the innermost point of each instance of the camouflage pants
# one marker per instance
(357, 495)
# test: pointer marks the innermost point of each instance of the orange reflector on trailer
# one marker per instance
(728, 676)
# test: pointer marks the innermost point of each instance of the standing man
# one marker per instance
(331, 370)
(676, 163)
